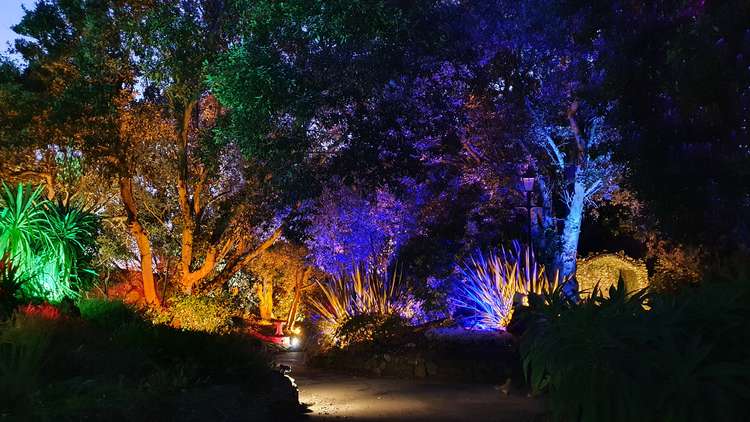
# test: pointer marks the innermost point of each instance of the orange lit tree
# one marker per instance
(121, 85)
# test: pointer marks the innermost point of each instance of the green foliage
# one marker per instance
(292, 60)
(23, 343)
(643, 356)
(106, 313)
(196, 313)
(115, 365)
(22, 224)
(370, 328)
(53, 243)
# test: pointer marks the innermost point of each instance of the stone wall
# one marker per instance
(485, 357)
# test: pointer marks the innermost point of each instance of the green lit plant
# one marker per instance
(23, 226)
(362, 292)
(55, 243)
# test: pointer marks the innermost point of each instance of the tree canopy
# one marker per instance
(205, 130)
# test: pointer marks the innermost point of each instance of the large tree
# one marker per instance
(121, 84)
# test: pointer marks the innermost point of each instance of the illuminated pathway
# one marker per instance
(333, 397)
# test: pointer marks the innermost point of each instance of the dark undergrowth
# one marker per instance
(642, 357)
(110, 364)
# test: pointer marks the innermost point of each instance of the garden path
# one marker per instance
(334, 397)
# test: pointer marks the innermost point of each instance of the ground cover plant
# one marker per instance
(259, 168)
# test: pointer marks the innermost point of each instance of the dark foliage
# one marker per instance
(11, 281)
(379, 331)
(643, 356)
(111, 364)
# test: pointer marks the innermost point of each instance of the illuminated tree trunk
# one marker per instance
(191, 208)
(141, 239)
(571, 231)
(290, 318)
(187, 206)
(265, 299)
(239, 260)
(301, 278)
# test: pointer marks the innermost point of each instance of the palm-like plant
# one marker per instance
(487, 291)
(55, 243)
(642, 356)
(493, 283)
(530, 276)
(363, 292)
(22, 224)
(70, 248)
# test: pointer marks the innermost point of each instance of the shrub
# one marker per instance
(100, 369)
(196, 313)
(11, 282)
(643, 356)
(493, 283)
(44, 310)
(363, 292)
(370, 328)
(24, 339)
(106, 313)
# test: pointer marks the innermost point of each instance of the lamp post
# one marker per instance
(527, 183)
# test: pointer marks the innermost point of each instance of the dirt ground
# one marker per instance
(335, 397)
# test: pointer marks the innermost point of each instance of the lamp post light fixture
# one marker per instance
(527, 184)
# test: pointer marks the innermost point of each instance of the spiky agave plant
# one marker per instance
(531, 276)
(492, 282)
(362, 292)
(486, 292)
(70, 251)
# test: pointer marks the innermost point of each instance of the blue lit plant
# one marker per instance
(54, 243)
(494, 283)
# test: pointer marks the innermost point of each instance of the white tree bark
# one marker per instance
(572, 230)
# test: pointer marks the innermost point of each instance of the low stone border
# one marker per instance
(490, 357)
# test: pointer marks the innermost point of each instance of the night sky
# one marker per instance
(10, 14)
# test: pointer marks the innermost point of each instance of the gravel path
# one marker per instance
(336, 397)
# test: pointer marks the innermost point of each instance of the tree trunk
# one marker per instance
(186, 207)
(141, 239)
(546, 229)
(290, 318)
(237, 262)
(300, 281)
(572, 230)
(265, 300)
